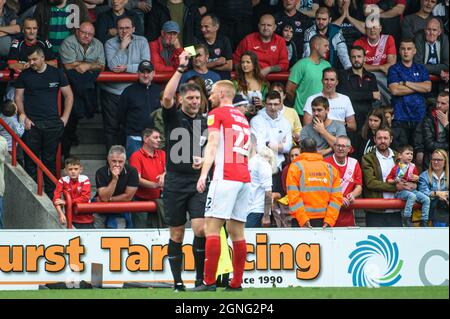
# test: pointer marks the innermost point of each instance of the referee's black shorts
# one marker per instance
(176, 205)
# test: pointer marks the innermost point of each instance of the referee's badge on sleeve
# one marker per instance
(210, 120)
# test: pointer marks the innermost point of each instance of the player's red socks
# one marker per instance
(212, 255)
(239, 255)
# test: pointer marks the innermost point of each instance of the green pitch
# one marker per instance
(250, 293)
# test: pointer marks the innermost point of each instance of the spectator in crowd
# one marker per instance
(56, 23)
(348, 15)
(406, 171)
(375, 120)
(361, 87)
(182, 173)
(261, 7)
(150, 163)
(338, 54)
(230, 190)
(166, 49)
(261, 165)
(136, 104)
(9, 115)
(441, 11)
(36, 97)
(308, 7)
(242, 105)
(296, 20)
(3, 153)
(92, 7)
(380, 55)
(434, 183)
(249, 81)
(107, 21)
(117, 182)
(414, 23)
(341, 108)
(305, 78)
(408, 82)
(388, 114)
(288, 33)
(220, 53)
(20, 47)
(83, 58)
(200, 68)
(318, 208)
(79, 188)
(288, 112)
(124, 52)
(390, 13)
(351, 179)
(376, 167)
(271, 129)
(236, 18)
(435, 127)
(322, 129)
(269, 47)
(184, 12)
(432, 48)
(8, 26)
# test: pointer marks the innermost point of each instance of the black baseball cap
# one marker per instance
(145, 65)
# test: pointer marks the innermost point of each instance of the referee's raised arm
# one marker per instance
(172, 85)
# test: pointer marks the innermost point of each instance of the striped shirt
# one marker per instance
(58, 29)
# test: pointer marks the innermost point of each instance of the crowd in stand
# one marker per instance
(368, 82)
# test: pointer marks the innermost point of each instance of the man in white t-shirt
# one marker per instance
(341, 108)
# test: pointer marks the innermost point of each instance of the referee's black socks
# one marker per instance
(175, 259)
(198, 247)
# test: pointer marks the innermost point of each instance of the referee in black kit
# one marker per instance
(184, 143)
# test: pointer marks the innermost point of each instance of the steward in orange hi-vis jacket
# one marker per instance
(313, 189)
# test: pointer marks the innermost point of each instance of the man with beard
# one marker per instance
(361, 87)
(36, 97)
(338, 54)
(414, 23)
(376, 167)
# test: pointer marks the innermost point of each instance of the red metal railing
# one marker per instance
(163, 77)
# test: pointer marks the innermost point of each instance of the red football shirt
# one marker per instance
(231, 162)
(346, 217)
(371, 50)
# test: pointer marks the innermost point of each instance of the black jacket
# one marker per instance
(136, 104)
(107, 20)
(359, 90)
(233, 10)
(160, 14)
(427, 139)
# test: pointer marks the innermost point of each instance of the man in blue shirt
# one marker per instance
(408, 83)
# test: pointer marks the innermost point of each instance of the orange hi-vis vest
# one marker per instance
(313, 189)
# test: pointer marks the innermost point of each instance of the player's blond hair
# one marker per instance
(227, 87)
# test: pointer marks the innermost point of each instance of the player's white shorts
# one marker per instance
(228, 200)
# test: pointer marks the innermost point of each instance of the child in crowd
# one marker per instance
(79, 188)
(288, 35)
(9, 115)
(406, 171)
(388, 114)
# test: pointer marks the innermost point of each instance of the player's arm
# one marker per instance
(210, 155)
(172, 85)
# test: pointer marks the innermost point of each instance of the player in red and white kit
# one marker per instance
(229, 192)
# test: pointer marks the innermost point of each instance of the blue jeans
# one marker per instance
(254, 220)
(411, 197)
(132, 146)
(1, 212)
(111, 221)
